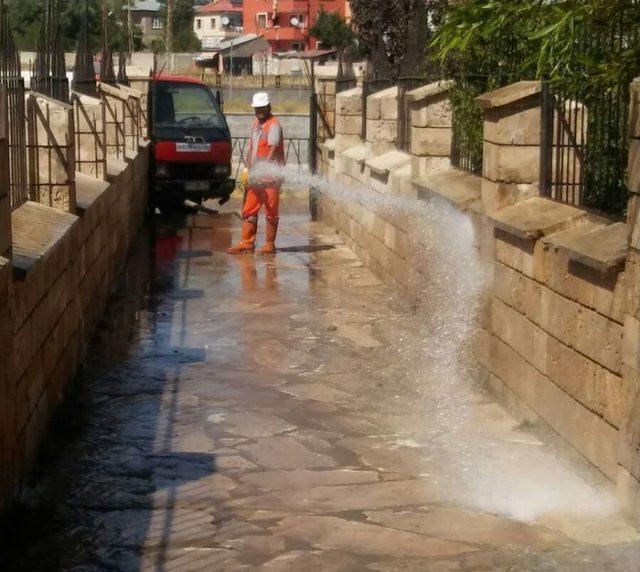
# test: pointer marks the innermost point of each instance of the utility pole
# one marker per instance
(130, 29)
(170, 33)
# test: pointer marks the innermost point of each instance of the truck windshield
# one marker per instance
(181, 108)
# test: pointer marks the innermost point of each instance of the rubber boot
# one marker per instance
(247, 240)
(270, 244)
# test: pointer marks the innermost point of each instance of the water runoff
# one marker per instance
(520, 475)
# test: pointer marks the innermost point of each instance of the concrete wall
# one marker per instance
(558, 335)
(63, 264)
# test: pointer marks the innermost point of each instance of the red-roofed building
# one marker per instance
(216, 22)
(285, 23)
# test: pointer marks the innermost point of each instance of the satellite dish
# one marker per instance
(295, 22)
(225, 21)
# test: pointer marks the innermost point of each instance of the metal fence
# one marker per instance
(49, 75)
(298, 154)
(251, 81)
(51, 157)
(344, 84)
(405, 85)
(585, 125)
(467, 123)
(12, 82)
(91, 145)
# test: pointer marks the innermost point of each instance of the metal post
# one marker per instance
(170, 34)
(546, 140)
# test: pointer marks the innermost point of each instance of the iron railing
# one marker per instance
(123, 120)
(251, 81)
(11, 79)
(297, 153)
(51, 157)
(468, 124)
(49, 75)
(123, 78)
(584, 131)
(346, 83)
(91, 144)
(84, 75)
(405, 85)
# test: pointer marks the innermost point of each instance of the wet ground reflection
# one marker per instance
(240, 413)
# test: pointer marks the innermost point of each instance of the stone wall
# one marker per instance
(629, 468)
(63, 262)
(559, 333)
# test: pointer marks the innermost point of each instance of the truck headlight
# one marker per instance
(221, 170)
(162, 170)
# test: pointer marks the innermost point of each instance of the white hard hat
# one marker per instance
(260, 99)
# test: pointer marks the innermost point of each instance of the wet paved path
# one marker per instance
(245, 413)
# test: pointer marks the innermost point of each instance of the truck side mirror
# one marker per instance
(220, 98)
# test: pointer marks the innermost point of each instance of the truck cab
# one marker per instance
(191, 144)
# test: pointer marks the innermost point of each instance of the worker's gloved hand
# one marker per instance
(244, 178)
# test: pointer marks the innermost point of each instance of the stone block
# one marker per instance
(431, 141)
(520, 334)
(631, 342)
(511, 164)
(383, 105)
(587, 432)
(432, 113)
(513, 125)
(348, 125)
(400, 182)
(373, 108)
(496, 196)
(389, 108)
(349, 102)
(23, 350)
(628, 491)
(525, 256)
(382, 131)
(518, 291)
(599, 338)
(421, 166)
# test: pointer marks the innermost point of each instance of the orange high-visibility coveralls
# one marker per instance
(266, 192)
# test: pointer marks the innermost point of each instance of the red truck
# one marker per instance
(191, 144)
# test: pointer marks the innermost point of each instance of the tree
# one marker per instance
(383, 29)
(553, 38)
(26, 19)
(333, 31)
(184, 39)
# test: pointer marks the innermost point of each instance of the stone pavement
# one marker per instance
(246, 413)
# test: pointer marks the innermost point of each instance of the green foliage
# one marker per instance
(552, 38)
(158, 46)
(184, 38)
(332, 30)
(589, 50)
(382, 26)
(26, 20)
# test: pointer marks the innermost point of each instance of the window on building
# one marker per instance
(212, 23)
(198, 24)
(156, 24)
(261, 20)
(297, 46)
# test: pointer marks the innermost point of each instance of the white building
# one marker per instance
(216, 22)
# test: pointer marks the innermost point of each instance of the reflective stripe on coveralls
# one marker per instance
(268, 192)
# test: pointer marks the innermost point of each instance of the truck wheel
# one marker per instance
(170, 205)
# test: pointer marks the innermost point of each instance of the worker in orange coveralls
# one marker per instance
(266, 144)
